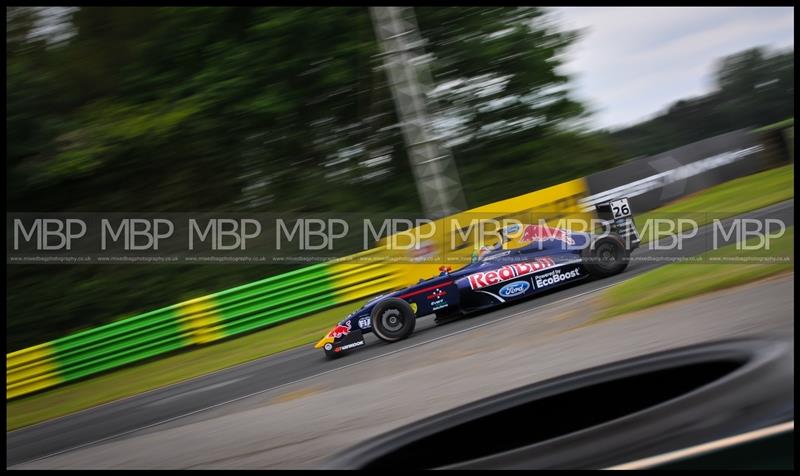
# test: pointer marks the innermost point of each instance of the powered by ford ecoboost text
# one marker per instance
(527, 261)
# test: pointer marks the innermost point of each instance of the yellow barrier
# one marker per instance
(201, 320)
(390, 268)
(31, 369)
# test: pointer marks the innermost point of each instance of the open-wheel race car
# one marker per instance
(527, 260)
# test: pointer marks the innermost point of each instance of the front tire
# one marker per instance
(606, 256)
(393, 320)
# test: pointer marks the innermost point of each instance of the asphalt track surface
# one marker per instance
(217, 389)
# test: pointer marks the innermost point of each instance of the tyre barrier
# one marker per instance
(608, 416)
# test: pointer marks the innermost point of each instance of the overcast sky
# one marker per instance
(633, 62)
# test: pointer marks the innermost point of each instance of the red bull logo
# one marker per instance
(438, 294)
(339, 330)
(508, 272)
(542, 233)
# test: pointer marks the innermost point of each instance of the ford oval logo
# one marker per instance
(514, 289)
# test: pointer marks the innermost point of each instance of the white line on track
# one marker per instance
(170, 398)
(697, 450)
(91, 443)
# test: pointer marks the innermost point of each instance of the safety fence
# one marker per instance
(291, 295)
(198, 321)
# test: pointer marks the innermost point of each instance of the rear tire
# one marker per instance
(393, 320)
(606, 256)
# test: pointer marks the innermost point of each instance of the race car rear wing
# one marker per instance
(617, 217)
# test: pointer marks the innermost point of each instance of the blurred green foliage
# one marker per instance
(754, 88)
(254, 109)
(181, 109)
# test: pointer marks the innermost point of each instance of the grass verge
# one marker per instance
(172, 369)
(777, 125)
(725, 200)
(683, 280)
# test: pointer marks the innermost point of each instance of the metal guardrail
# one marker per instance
(198, 321)
(29, 370)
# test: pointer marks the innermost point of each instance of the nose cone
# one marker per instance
(338, 331)
(323, 341)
